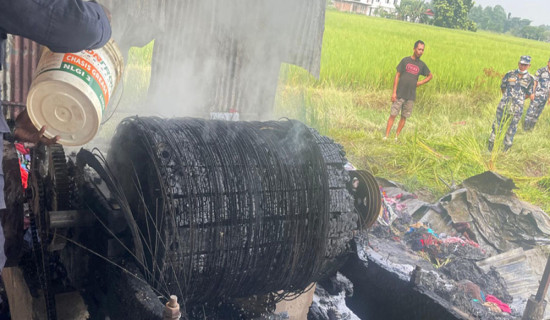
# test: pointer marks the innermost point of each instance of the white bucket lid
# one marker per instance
(65, 110)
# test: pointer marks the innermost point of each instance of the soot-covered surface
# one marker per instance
(454, 259)
(385, 288)
(232, 209)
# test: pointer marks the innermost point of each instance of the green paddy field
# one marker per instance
(445, 140)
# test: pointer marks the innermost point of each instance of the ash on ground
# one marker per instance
(479, 252)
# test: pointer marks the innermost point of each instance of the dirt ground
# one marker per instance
(298, 308)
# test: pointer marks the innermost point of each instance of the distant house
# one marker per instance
(367, 7)
(429, 13)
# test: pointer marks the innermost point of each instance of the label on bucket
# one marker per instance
(70, 92)
(86, 65)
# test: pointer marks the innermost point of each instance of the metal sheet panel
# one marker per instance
(522, 271)
(213, 56)
(21, 59)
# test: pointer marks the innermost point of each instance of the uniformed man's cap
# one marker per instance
(525, 60)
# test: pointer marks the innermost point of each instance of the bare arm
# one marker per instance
(395, 83)
(425, 80)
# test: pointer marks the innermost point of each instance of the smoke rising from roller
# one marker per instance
(219, 56)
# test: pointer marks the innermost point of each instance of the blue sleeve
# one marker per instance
(61, 25)
(531, 85)
(504, 81)
(538, 73)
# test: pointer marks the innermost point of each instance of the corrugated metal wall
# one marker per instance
(21, 59)
(221, 56)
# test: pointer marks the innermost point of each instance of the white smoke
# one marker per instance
(219, 56)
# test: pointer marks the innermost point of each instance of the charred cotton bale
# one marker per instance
(231, 209)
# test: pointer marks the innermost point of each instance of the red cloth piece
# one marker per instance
(24, 176)
(21, 148)
(503, 306)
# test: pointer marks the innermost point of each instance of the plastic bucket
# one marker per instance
(71, 91)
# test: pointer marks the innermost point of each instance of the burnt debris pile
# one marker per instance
(232, 209)
(479, 252)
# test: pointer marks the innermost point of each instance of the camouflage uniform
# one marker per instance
(542, 76)
(511, 104)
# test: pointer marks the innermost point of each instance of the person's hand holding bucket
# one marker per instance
(25, 131)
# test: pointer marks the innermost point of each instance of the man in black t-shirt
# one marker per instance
(404, 87)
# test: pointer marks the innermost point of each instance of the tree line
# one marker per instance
(496, 19)
(463, 14)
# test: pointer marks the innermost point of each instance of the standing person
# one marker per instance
(516, 86)
(542, 93)
(404, 87)
(63, 26)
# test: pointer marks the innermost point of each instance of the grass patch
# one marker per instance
(439, 147)
(445, 140)
(361, 53)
